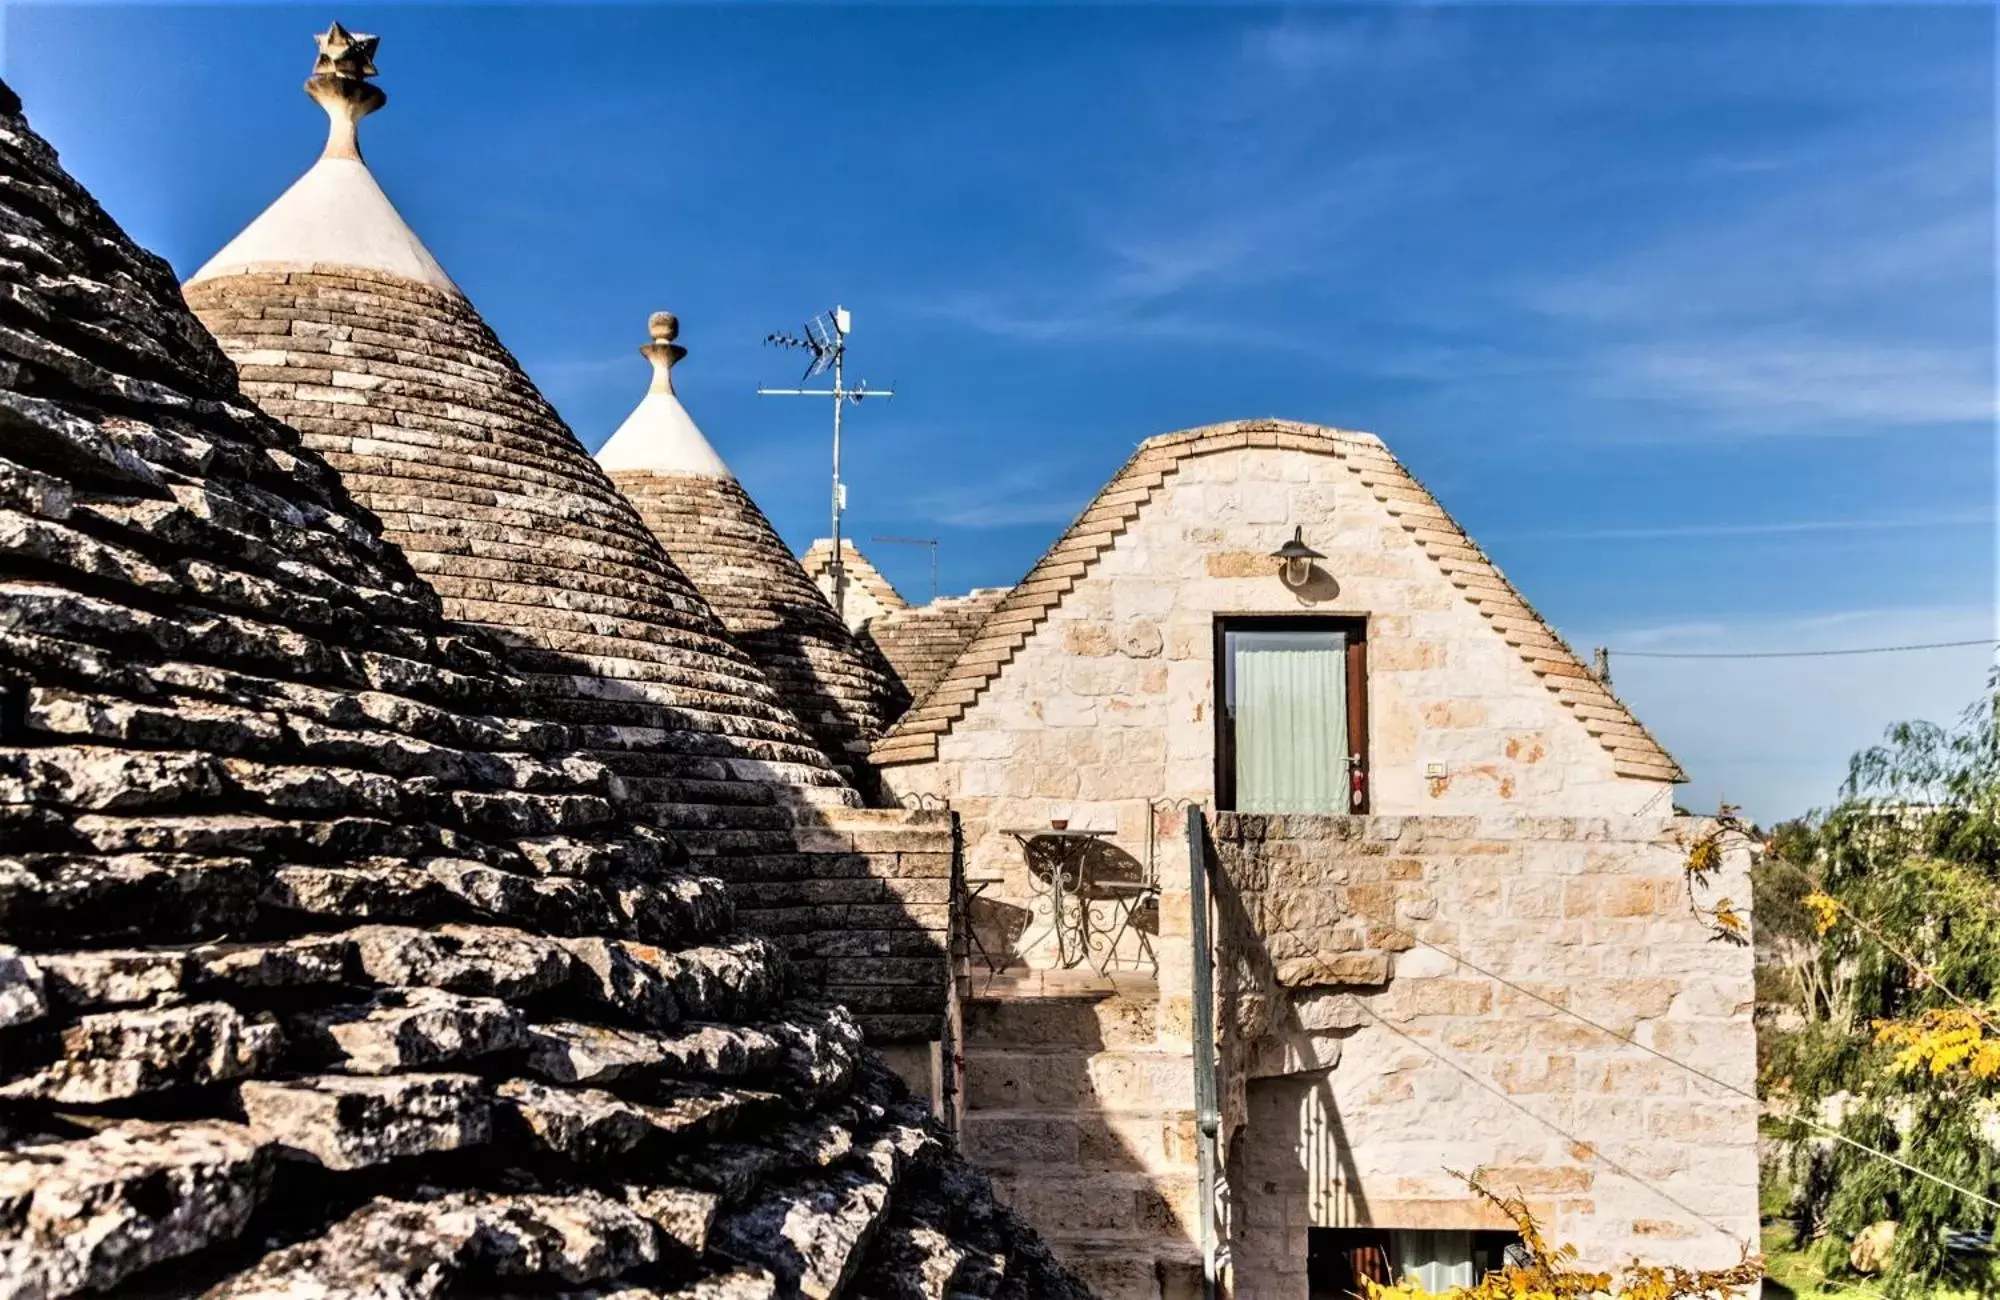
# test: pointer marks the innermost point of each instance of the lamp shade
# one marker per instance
(1296, 559)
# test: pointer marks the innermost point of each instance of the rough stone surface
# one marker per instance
(409, 1029)
(1389, 979)
(117, 1055)
(843, 694)
(21, 989)
(83, 1214)
(350, 1123)
(921, 641)
(295, 866)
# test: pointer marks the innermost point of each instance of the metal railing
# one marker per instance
(1208, 1114)
(951, 1045)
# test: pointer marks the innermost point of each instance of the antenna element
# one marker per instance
(931, 542)
(826, 340)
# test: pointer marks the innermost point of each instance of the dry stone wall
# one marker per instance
(409, 394)
(328, 964)
(863, 910)
(1407, 996)
(434, 428)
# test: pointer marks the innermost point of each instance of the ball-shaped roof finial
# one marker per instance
(663, 352)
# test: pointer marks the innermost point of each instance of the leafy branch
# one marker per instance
(1551, 1272)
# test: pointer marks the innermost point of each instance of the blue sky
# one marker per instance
(1687, 314)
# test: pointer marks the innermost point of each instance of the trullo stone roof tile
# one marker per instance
(843, 694)
(397, 380)
(328, 966)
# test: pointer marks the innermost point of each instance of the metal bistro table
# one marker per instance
(1062, 891)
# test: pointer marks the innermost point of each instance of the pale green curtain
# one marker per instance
(1291, 730)
(1440, 1259)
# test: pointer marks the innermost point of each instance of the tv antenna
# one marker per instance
(931, 542)
(826, 339)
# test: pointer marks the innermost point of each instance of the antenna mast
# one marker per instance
(826, 339)
(931, 542)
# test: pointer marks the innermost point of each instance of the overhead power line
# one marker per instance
(1630, 1041)
(1800, 654)
(1488, 1085)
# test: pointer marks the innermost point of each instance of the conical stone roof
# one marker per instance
(701, 514)
(326, 969)
(337, 328)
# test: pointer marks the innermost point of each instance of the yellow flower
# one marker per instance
(1941, 1041)
(1825, 909)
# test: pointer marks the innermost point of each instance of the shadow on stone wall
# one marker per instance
(1087, 1129)
(1295, 1172)
(1109, 874)
(800, 645)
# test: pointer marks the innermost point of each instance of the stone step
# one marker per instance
(1115, 1273)
(1108, 1141)
(1119, 1079)
(1120, 1211)
(1060, 1024)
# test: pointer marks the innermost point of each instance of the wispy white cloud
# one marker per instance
(1255, 192)
(1377, 43)
(1788, 383)
(1041, 495)
(1756, 528)
(1832, 304)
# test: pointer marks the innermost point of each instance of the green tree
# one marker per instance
(1904, 877)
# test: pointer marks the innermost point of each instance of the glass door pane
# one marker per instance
(1286, 692)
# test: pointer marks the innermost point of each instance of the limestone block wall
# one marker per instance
(1397, 998)
(1109, 702)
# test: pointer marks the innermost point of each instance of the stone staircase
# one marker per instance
(1082, 1111)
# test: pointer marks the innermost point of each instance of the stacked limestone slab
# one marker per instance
(342, 326)
(327, 967)
(700, 513)
(922, 641)
(867, 594)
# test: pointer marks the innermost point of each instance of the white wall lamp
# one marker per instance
(1295, 560)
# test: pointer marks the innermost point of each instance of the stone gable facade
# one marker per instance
(1109, 702)
(1518, 819)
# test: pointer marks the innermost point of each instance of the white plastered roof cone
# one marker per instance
(336, 214)
(660, 435)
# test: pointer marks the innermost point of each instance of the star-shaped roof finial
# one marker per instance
(345, 54)
(339, 84)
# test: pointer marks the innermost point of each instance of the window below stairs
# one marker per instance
(1341, 1259)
